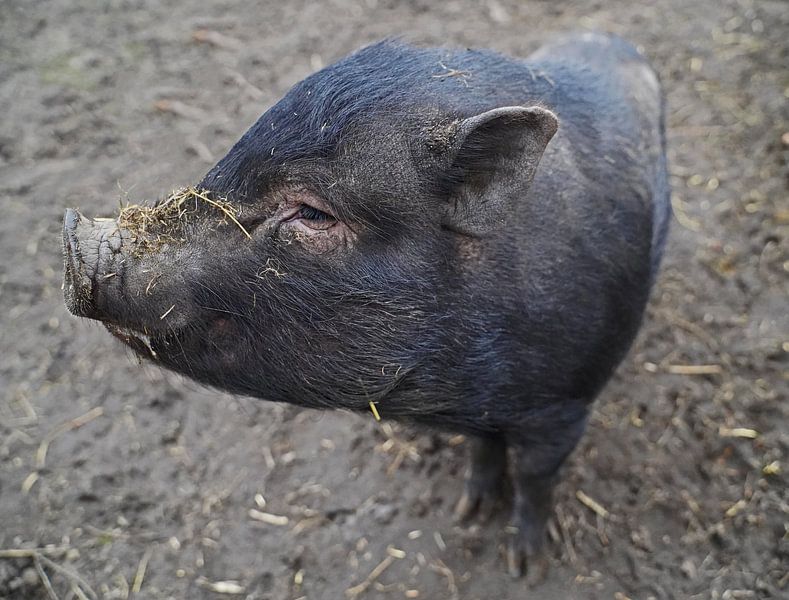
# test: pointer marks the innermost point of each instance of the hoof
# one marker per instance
(525, 557)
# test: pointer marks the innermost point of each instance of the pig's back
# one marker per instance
(599, 205)
(615, 111)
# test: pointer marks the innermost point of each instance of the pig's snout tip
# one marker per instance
(77, 286)
(70, 221)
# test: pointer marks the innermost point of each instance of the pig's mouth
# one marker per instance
(163, 345)
(180, 348)
(142, 343)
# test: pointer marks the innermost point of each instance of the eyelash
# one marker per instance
(310, 213)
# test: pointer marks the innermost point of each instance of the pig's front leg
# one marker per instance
(534, 473)
(531, 510)
(486, 469)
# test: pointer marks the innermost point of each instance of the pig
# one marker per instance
(450, 237)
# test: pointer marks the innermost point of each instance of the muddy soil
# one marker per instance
(119, 480)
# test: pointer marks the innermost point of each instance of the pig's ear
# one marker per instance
(494, 156)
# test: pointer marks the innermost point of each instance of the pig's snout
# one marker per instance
(89, 247)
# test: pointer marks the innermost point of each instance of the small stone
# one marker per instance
(30, 577)
(688, 569)
(384, 513)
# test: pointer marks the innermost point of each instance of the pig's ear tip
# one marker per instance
(550, 121)
(536, 117)
(509, 122)
(542, 118)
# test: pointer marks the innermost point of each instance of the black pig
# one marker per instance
(463, 239)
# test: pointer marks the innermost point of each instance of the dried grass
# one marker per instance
(165, 221)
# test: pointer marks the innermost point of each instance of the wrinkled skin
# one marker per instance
(465, 239)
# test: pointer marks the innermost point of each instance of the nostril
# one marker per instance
(70, 241)
(71, 219)
(77, 286)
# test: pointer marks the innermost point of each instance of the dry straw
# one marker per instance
(165, 221)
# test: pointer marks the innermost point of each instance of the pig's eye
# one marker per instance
(307, 218)
(314, 218)
(313, 214)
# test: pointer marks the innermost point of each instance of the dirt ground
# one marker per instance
(118, 480)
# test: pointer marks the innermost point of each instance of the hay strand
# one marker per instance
(164, 222)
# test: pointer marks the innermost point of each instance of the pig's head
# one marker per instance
(335, 255)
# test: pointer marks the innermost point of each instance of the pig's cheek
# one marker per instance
(319, 242)
(469, 250)
(223, 335)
